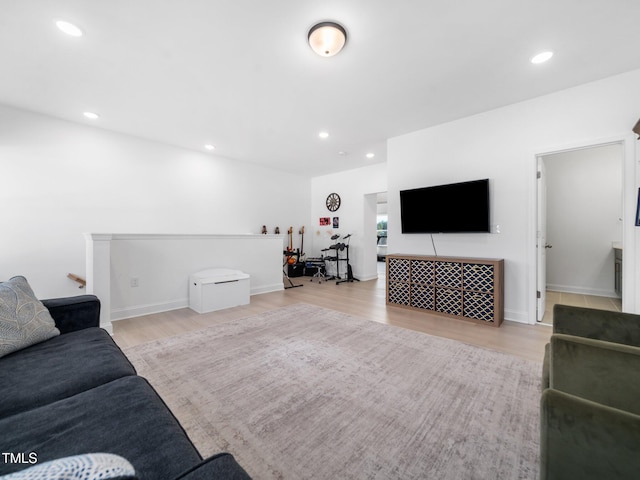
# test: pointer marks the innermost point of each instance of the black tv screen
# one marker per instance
(452, 208)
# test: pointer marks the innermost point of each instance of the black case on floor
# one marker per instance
(295, 270)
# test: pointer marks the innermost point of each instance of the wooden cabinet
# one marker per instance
(466, 288)
(617, 270)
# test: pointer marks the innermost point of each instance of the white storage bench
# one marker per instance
(218, 288)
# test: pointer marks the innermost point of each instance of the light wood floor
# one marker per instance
(363, 299)
(578, 300)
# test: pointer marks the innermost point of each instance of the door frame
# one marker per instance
(541, 239)
(629, 297)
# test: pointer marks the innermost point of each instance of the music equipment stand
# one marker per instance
(350, 277)
(319, 264)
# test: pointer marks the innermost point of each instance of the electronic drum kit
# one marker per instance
(339, 247)
(296, 257)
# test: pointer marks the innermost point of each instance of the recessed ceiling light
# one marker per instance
(370, 155)
(208, 146)
(91, 115)
(69, 28)
(342, 153)
(323, 135)
(542, 57)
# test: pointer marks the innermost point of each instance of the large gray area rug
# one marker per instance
(305, 392)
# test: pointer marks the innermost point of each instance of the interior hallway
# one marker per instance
(578, 300)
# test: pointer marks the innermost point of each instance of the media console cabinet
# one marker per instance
(466, 288)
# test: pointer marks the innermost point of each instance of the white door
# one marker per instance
(541, 241)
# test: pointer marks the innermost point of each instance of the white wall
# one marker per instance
(502, 145)
(61, 180)
(584, 208)
(357, 213)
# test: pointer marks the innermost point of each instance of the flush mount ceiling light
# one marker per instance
(370, 155)
(327, 38)
(542, 57)
(210, 147)
(91, 115)
(69, 28)
(323, 134)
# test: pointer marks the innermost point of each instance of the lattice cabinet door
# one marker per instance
(449, 274)
(449, 301)
(479, 286)
(423, 296)
(479, 306)
(398, 291)
(422, 281)
(423, 272)
(398, 269)
(478, 277)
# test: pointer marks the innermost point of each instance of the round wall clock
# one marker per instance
(333, 202)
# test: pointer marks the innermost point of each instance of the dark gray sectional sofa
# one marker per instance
(77, 393)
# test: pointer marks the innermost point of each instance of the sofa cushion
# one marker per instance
(124, 417)
(581, 439)
(103, 466)
(616, 327)
(24, 320)
(59, 368)
(74, 313)
(604, 372)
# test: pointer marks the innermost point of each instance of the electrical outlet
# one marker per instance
(134, 281)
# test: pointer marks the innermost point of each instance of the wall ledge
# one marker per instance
(179, 236)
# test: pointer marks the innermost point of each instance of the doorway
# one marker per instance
(381, 232)
(580, 211)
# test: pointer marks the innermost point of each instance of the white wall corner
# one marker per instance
(98, 273)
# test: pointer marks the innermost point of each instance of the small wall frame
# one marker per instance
(638, 210)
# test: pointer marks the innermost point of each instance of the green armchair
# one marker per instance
(585, 440)
(590, 406)
(604, 325)
(613, 327)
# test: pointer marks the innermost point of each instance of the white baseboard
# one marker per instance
(597, 292)
(140, 310)
(515, 316)
(276, 287)
(366, 278)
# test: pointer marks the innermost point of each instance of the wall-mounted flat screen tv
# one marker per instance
(451, 208)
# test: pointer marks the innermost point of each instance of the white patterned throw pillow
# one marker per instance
(91, 466)
(24, 320)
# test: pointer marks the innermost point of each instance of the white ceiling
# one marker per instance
(240, 74)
